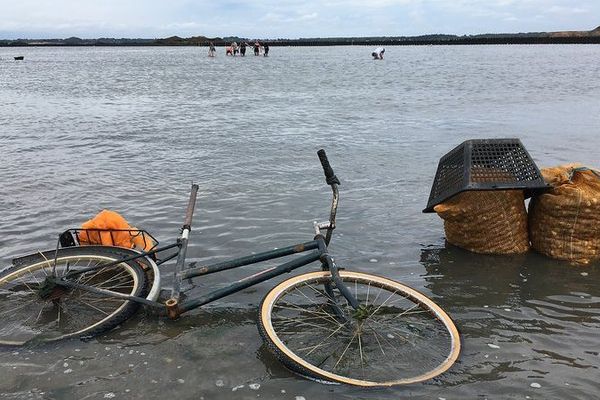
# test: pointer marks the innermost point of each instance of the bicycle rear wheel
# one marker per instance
(397, 336)
(31, 311)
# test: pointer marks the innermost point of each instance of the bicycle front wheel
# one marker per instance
(33, 311)
(397, 335)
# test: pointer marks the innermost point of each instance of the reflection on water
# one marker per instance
(522, 317)
(82, 129)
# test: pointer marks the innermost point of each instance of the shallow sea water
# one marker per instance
(83, 129)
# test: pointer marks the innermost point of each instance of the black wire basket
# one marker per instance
(485, 164)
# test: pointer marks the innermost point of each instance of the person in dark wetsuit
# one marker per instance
(256, 48)
(243, 49)
(266, 47)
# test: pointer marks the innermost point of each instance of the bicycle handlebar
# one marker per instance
(330, 177)
(187, 224)
(332, 181)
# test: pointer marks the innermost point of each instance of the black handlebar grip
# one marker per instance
(330, 177)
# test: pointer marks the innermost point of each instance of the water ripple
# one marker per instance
(83, 129)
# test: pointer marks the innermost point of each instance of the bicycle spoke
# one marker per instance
(317, 291)
(344, 352)
(22, 306)
(68, 266)
(28, 287)
(321, 343)
(378, 342)
(377, 297)
(362, 360)
(393, 360)
(115, 277)
(404, 312)
(96, 272)
(58, 316)
(430, 348)
(309, 324)
(381, 305)
(33, 276)
(94, 307)
(330, 318)
(40, 313)
(300, 319)
(398, 331)
(313, 302)
(47, 262)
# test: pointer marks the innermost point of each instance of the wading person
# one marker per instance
(378, 53)
(211, 49)
(256, 48)
(243, 49)
(266, 47)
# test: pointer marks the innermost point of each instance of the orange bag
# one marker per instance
(107, 219)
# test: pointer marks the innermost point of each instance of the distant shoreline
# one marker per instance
(306, 43)
(566, 37)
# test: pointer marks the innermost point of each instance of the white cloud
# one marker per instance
(308, 16)
(290, 18)
(566, 10)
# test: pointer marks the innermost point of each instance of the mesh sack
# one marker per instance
(97, 231)
(488, 222)
(564, 223)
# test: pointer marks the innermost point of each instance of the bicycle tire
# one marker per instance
(20, 300)
(283, 335)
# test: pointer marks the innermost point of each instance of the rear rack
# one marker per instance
(107, 237)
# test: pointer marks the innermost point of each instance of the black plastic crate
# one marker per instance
(485, 164)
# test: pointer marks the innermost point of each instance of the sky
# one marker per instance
(289, 18)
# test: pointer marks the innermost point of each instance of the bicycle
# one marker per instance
(331, 325)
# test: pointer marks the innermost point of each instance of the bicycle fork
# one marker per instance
(328, 264)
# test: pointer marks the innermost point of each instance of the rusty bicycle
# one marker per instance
(331, 324)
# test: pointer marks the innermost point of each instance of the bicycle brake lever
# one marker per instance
(321, 225)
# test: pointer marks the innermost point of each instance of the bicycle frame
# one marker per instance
(317, 250)
(174, 308)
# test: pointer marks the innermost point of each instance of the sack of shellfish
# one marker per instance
(564, 222)
(489, 222)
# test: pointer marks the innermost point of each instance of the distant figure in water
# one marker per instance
(243, 49)
(229, 50)
(378, 53)
(256, 48)
(234, 46)
(266, 47)
(211, 49)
